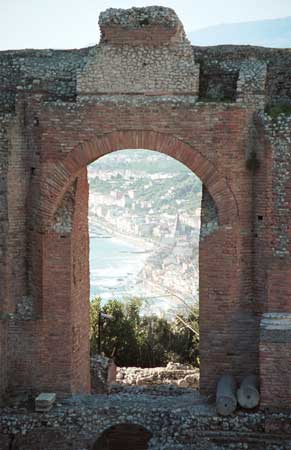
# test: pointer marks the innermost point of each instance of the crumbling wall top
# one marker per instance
(153, 25)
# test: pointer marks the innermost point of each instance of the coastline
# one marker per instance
(149, 288)
(136, 240)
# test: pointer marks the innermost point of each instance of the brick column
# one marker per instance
(275, 360)
(228, 324)
(66, 293)
(49, 350)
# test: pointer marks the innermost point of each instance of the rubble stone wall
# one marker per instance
(142, 69)
(78, 427)
(220, 66)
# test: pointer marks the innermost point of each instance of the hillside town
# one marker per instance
(135, 195)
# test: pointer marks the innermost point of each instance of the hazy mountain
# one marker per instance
(266, 33)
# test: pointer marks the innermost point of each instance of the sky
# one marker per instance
(74, 23)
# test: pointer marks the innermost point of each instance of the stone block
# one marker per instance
(44, 401)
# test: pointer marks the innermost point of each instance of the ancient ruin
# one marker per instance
(222, 111)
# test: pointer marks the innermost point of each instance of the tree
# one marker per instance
(140, 340)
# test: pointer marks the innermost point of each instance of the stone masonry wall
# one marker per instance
(131, 59)
(78, 424)
(142, 69)
(52, 72)
(276, 325)
(220, 66)
(60, 110)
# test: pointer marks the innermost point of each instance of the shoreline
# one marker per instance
(140, 242)
(149, 287)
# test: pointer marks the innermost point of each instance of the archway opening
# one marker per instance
(144, 223)
(123, 436)
(65, 211)
(154, 202)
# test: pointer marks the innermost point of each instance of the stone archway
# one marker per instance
(58, 178)
(62, 227)
(108, 111)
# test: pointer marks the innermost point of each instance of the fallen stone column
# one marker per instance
(226, 401)
(248, 395)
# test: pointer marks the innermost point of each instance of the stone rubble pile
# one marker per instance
(174, 374)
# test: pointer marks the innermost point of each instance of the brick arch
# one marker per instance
(57, 180)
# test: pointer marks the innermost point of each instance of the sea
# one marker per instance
(115, 265)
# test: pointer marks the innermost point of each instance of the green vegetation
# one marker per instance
(144, 341)
(275, 110)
